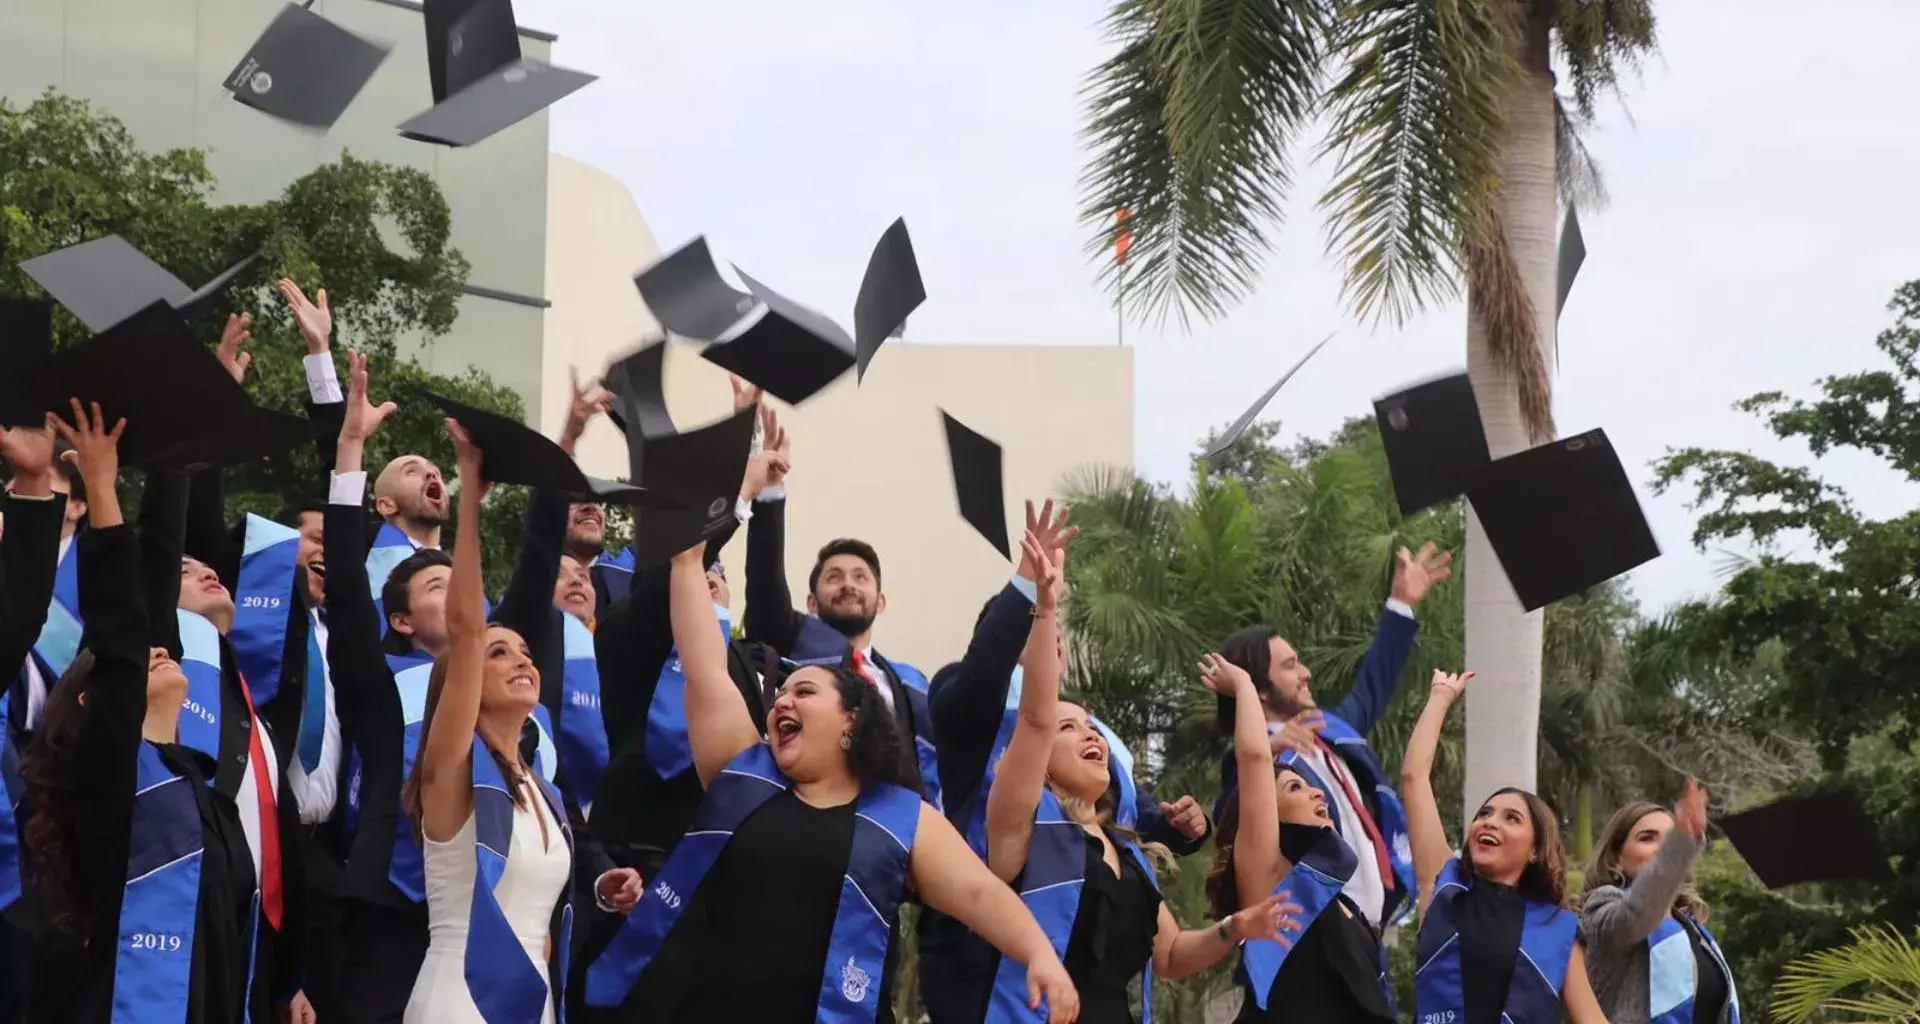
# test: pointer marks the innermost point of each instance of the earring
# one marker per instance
(846, 740)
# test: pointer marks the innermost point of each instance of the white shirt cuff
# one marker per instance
(348, 489)
(600, 900)
(322, 385)
(1399, 607)
(1027, 588)
(742, 510)
(778, 492)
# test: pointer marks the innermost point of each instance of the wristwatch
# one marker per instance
(1222, 931)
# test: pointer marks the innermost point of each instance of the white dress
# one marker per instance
(527, 892)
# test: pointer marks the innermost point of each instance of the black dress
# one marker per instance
(752, 945)
(1331, 975)
(78, 978)
(1710, 999)
(1490, 918)
(1113, 932)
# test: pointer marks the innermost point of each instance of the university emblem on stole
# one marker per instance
(854, 982)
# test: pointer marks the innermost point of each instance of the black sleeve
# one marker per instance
(29, 560)
(208, 537)
(527, 606)
(333, 415)
(968, 699)
(290, 944)
(106, 753)
(362, 687)
(771, 618)
(163, 533)
(1155, 828)
(631, 645)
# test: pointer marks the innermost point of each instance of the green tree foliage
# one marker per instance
(70, 174)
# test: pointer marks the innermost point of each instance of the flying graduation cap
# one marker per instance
(699, 472)
(639, 393)
(789, 349)
(481, 83)
(1821, 837)
(26, 336)
(1434, 441)
(1232, 434)
(978, 482)
(518, 454)
(1573, 253)
(105, 281)
(304, 69)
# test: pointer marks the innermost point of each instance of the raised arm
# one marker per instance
(1023, 768)
(354, 658)
(771, 618)
(163, 528)
(1374, 686)
(1180, 954)
(325, 403)
(718, 725)
(1424, 830)
(1257, 864)
(446, 752)
(1613, 918)
(951, 880)
(30, 544)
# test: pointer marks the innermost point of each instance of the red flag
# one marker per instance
(1123, 240)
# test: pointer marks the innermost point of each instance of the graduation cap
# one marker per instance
(889, 292)
(481, 83)
(518, 454)
(1226, 440)
(1434, 441)
(149, 369)
(639, 393)
(699, 472)
(247, 435)
(686, 293)
(977, 481)
(26, 335)
(304, 69)
(107, 280)
(1562, 517)
(1822, 837)
(1573, 252)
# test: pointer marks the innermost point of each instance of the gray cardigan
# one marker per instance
(1615, 923)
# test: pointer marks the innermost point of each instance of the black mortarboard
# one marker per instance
(639, 393)
(149, 369)
(790, 350)
(1822, 837)
(248, 435)
(1573, 252)
(104, 281)
(890, 291)
(686, 293)
(481, 83)
(977, 481)
(1239, 426)
(304, 69)
(26, 335)
(1562, 517)
(514, 453)
(700, 471)
(1434, 441)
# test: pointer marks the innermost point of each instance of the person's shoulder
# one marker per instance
(1599, 898)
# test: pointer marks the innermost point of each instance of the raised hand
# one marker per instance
(234, 335)
(1186, 817)
(1300, 734)
(745, 395)
(1450, 684)
(1047, 979)
(585, 403)
(1223, 676)
(314, 319)
(363, 417)
(1419, 574)
(469, 458)
(1052, 531)
(1050, 575)
(1690, 814)
(1272, 918)
(96, 450)
(30, 453)
(768, 467)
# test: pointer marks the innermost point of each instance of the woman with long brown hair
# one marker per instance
(1645, 928)
(1497, 943)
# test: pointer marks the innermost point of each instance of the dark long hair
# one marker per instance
(48, 771)
(1223, 889)
(878, 753)
(1104, 813)
(1544, 879)
(410, 795)
(1605, 867)
(1251, 649)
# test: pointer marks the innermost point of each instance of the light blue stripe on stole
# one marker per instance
(668, 750)
(1672, 977)
(406, 867)
(884, 826)
(391, 546)
(60, 637)
(582, 732)
(262, 601)
(200, 662)
(153, 962)
(546, 757)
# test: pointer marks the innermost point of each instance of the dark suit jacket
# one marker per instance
(29, 558)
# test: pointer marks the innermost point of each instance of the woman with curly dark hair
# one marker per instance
(1652, 958)
(146, 864)
(1497, 943)
(781, 902)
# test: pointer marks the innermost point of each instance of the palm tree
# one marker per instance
(1875, 979)
(1451, 145)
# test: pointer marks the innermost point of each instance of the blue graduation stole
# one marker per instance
(1672, 973)
(391, 546)
(200, 661)
(505, 984)
(668, 750)
(12, 790)
(616, 573)
(582, 736)
(313, 710)
(59, 641)
(884, 824)
(546, 755)
(1392, 819)
(1546, 948)
(1315, 884)
(821, 644)
(153, 964)
(1050, 887)
(261, 603)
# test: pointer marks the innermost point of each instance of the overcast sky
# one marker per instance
(1763, 209)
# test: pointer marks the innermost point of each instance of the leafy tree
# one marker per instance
(69, 174)
(1876, 976)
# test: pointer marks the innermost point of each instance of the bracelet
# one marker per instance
(1221, 930)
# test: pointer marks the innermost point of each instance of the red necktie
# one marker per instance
(860, 665)
(1337, 770)
(270, 898)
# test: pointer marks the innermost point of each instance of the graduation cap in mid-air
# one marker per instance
(1817, 838)
(638, 384)
(789, 349)
(699, 472)
(1573, 253)
(1562, 517)
(514, 453)
(304, 69)
(1239, 426)
(26, 336)
(481, 83)
(107, 280)
(1434, 441)
(978, 482)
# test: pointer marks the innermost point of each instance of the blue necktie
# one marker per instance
(313, 716)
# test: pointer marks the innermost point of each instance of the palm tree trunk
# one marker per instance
(1503, 642)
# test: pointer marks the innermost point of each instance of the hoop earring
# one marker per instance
(846, 740)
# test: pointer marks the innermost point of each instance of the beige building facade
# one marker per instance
(869, 460)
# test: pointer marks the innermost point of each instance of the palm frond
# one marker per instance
(1599, 39)
(1418, 124)
(1581, 184)
(1875, 979)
